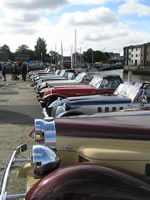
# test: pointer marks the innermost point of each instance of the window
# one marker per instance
(113, 109)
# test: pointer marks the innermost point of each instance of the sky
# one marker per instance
(105, 25)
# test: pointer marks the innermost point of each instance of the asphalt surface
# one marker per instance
(18, 109)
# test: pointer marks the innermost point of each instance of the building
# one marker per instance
(65, 62)
(4, 57)
(137, 55)
(116, 58)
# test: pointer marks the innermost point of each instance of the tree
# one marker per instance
(22, 49)
(54, 57)
(5, 49)
(95, 56)
(40, 49)
(88, 55)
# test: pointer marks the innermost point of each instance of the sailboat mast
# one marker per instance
(75, 50)
(61, 55)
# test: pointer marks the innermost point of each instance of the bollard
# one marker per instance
(129, 76)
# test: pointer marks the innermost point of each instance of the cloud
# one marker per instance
(19, 22)
(94, 17)
(23, 22)
(113, 38)
(91, 2)
(133, 6)
(105, 34)
(34, 4)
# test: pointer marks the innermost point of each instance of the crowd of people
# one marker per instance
(15, 69)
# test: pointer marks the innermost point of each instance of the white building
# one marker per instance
(134, 56)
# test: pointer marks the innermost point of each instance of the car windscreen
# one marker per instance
(96, 81)
(62, 73)
(127, 90)
(80, 77)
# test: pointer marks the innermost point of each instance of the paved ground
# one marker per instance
(18, 109)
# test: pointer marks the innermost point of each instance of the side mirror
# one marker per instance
(144, 99)
(22, 148)
(105, 88)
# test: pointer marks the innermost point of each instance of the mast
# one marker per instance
(75, 50)
(71, 58)
(61, 55)
(56, 55)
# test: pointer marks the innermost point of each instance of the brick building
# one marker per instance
(137, 55)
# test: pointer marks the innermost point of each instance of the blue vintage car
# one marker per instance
(126, 96)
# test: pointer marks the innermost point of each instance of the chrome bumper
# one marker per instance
(45, 112)
(3, 186)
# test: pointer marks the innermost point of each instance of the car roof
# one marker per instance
(108, 76)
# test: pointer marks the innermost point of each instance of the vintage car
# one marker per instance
(127, 95)
(49, 76)
(98, 85)
(79, 79)
(34, 74)
(92, 157)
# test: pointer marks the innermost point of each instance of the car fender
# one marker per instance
(89, 182)
(49, 96)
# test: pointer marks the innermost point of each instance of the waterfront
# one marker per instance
(124, 76)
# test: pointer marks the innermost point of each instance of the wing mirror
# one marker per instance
(105, 88)
(144, 99)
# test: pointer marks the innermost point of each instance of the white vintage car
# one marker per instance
(127, 95)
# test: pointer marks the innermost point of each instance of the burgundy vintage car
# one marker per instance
(100, 157)
(98, 85)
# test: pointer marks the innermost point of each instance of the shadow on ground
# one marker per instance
(11, 117)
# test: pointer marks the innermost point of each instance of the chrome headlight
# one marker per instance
(45, 130)
(44, 160)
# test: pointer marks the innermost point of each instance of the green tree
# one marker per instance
(40, 49)
(88, 55)
(54, 57)
(22, 49)
(95, 56)
(6, 49)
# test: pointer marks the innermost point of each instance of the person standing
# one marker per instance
(4, 71)
(24, 71)
(0, 71)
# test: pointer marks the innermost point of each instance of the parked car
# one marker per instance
(127, 95)
(35, 74)
(98, 85)
(49, 76)
(90, 158)
(80, 78)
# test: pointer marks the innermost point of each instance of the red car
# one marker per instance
(98, 85)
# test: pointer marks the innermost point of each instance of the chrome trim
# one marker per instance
(38, 125)
(50, 133)
(16, 196)
(46, 129)
(3, 186)
(44, 112)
